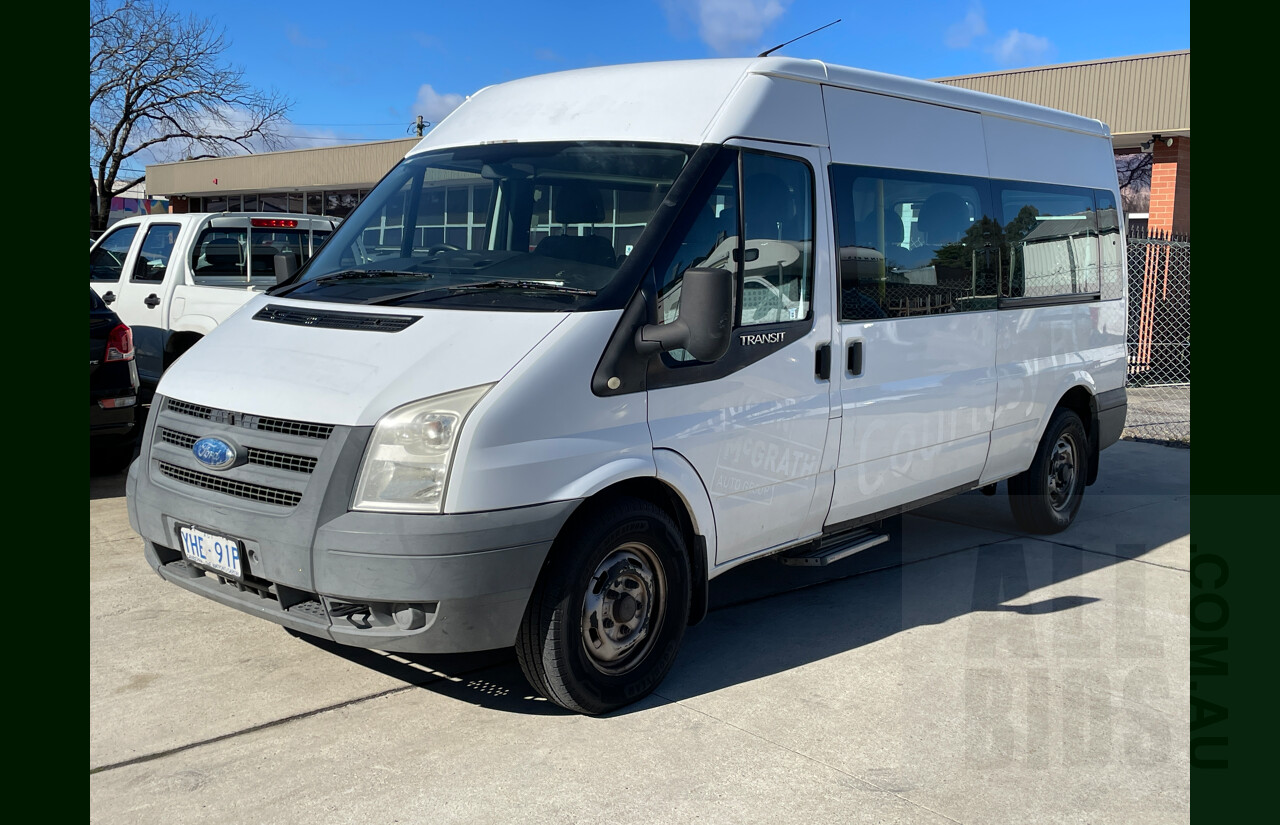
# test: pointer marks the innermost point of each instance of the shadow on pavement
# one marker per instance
(768, 618)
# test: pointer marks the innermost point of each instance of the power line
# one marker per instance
(295, 123)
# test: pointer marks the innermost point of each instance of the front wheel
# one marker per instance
(607, 616)
(1046, 498)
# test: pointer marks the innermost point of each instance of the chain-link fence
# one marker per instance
(1159, 384)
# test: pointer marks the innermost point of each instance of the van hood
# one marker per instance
(306, 371)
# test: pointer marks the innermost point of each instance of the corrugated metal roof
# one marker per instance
(359, 165)
(1140, 95)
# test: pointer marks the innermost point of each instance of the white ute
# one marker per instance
(605, 334)
(173, 278)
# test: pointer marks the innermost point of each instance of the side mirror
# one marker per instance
(285, 266)
(705, 324)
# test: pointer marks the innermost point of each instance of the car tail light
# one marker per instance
(120, 344)
(274, 223)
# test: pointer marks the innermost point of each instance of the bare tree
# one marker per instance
(1134, 172)
(160, 90)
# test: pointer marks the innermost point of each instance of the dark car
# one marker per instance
(113, 388)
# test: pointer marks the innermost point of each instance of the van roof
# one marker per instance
(683, 101)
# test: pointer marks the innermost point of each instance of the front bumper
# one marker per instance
(410, 583)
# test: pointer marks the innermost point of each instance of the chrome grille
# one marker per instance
(240, 489)
(193, 410)
(284, 461)
(299, 428)
(265, 458)
(176, 438)
(303, 429)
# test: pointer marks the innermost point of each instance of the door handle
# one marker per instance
(152, 301)
(822, 362)
(108, 297)
(855, 358)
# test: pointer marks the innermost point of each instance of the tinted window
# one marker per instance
(106, 261)
(157, 246)
(913, 243)
(218, 256)
(707, 236)
(1051, 234)
(1110, 249)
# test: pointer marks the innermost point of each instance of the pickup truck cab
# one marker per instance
(173, 278)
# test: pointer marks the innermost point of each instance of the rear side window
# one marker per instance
(913, 243)
(1110, 250)
(218, 257)
(1051, 233)
(106, 261)
(157, 247)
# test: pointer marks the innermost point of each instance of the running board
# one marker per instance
(820, 554)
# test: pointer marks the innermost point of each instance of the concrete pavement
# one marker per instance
(968, 674)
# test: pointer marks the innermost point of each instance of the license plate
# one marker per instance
(215, 552)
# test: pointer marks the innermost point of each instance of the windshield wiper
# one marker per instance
(350, 274)
(481, 286)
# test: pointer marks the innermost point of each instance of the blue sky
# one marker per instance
(361, 71)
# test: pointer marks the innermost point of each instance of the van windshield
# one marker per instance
(506, 226)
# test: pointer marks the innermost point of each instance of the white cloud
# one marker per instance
(961, 35)
(434, 106)
(727, 25)
(1021, 49)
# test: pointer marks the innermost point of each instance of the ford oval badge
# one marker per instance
(214, 453)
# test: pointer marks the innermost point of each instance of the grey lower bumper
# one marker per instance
(1112, 407)
(421, 584)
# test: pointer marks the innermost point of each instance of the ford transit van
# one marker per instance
(605, 334)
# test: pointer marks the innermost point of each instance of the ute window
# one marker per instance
(106, 261)
(506, 226)
(157, 247)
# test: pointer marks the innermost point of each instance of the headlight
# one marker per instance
(406, 464)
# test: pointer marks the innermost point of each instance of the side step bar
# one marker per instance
(833, 549)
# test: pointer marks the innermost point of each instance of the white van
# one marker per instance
(173, 278)
(605, 334)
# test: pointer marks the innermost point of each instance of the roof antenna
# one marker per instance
(768, 52)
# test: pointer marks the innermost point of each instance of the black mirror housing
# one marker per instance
(705, 324)
(285, 266)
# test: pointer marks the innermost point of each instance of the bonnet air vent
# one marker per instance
(365, 321)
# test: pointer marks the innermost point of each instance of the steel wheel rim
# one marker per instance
(1063, 470)
(623, 607)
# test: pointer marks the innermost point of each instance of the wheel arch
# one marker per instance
(1082, 400)
(662, 494)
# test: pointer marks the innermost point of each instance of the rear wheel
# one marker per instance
(1046, 498)
(606, 619)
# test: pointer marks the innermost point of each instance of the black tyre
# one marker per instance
(607, 616)
(1046, 498)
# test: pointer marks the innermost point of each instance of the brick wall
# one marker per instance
(1170, 209)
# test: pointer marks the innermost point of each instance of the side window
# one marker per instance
(318, 237)
(1110, 271)
(777, 258)
(106, 262)
(218, 257)
(1051, 236)
(157, 246)
(707, 236)
(268, 243)
(913, 243)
